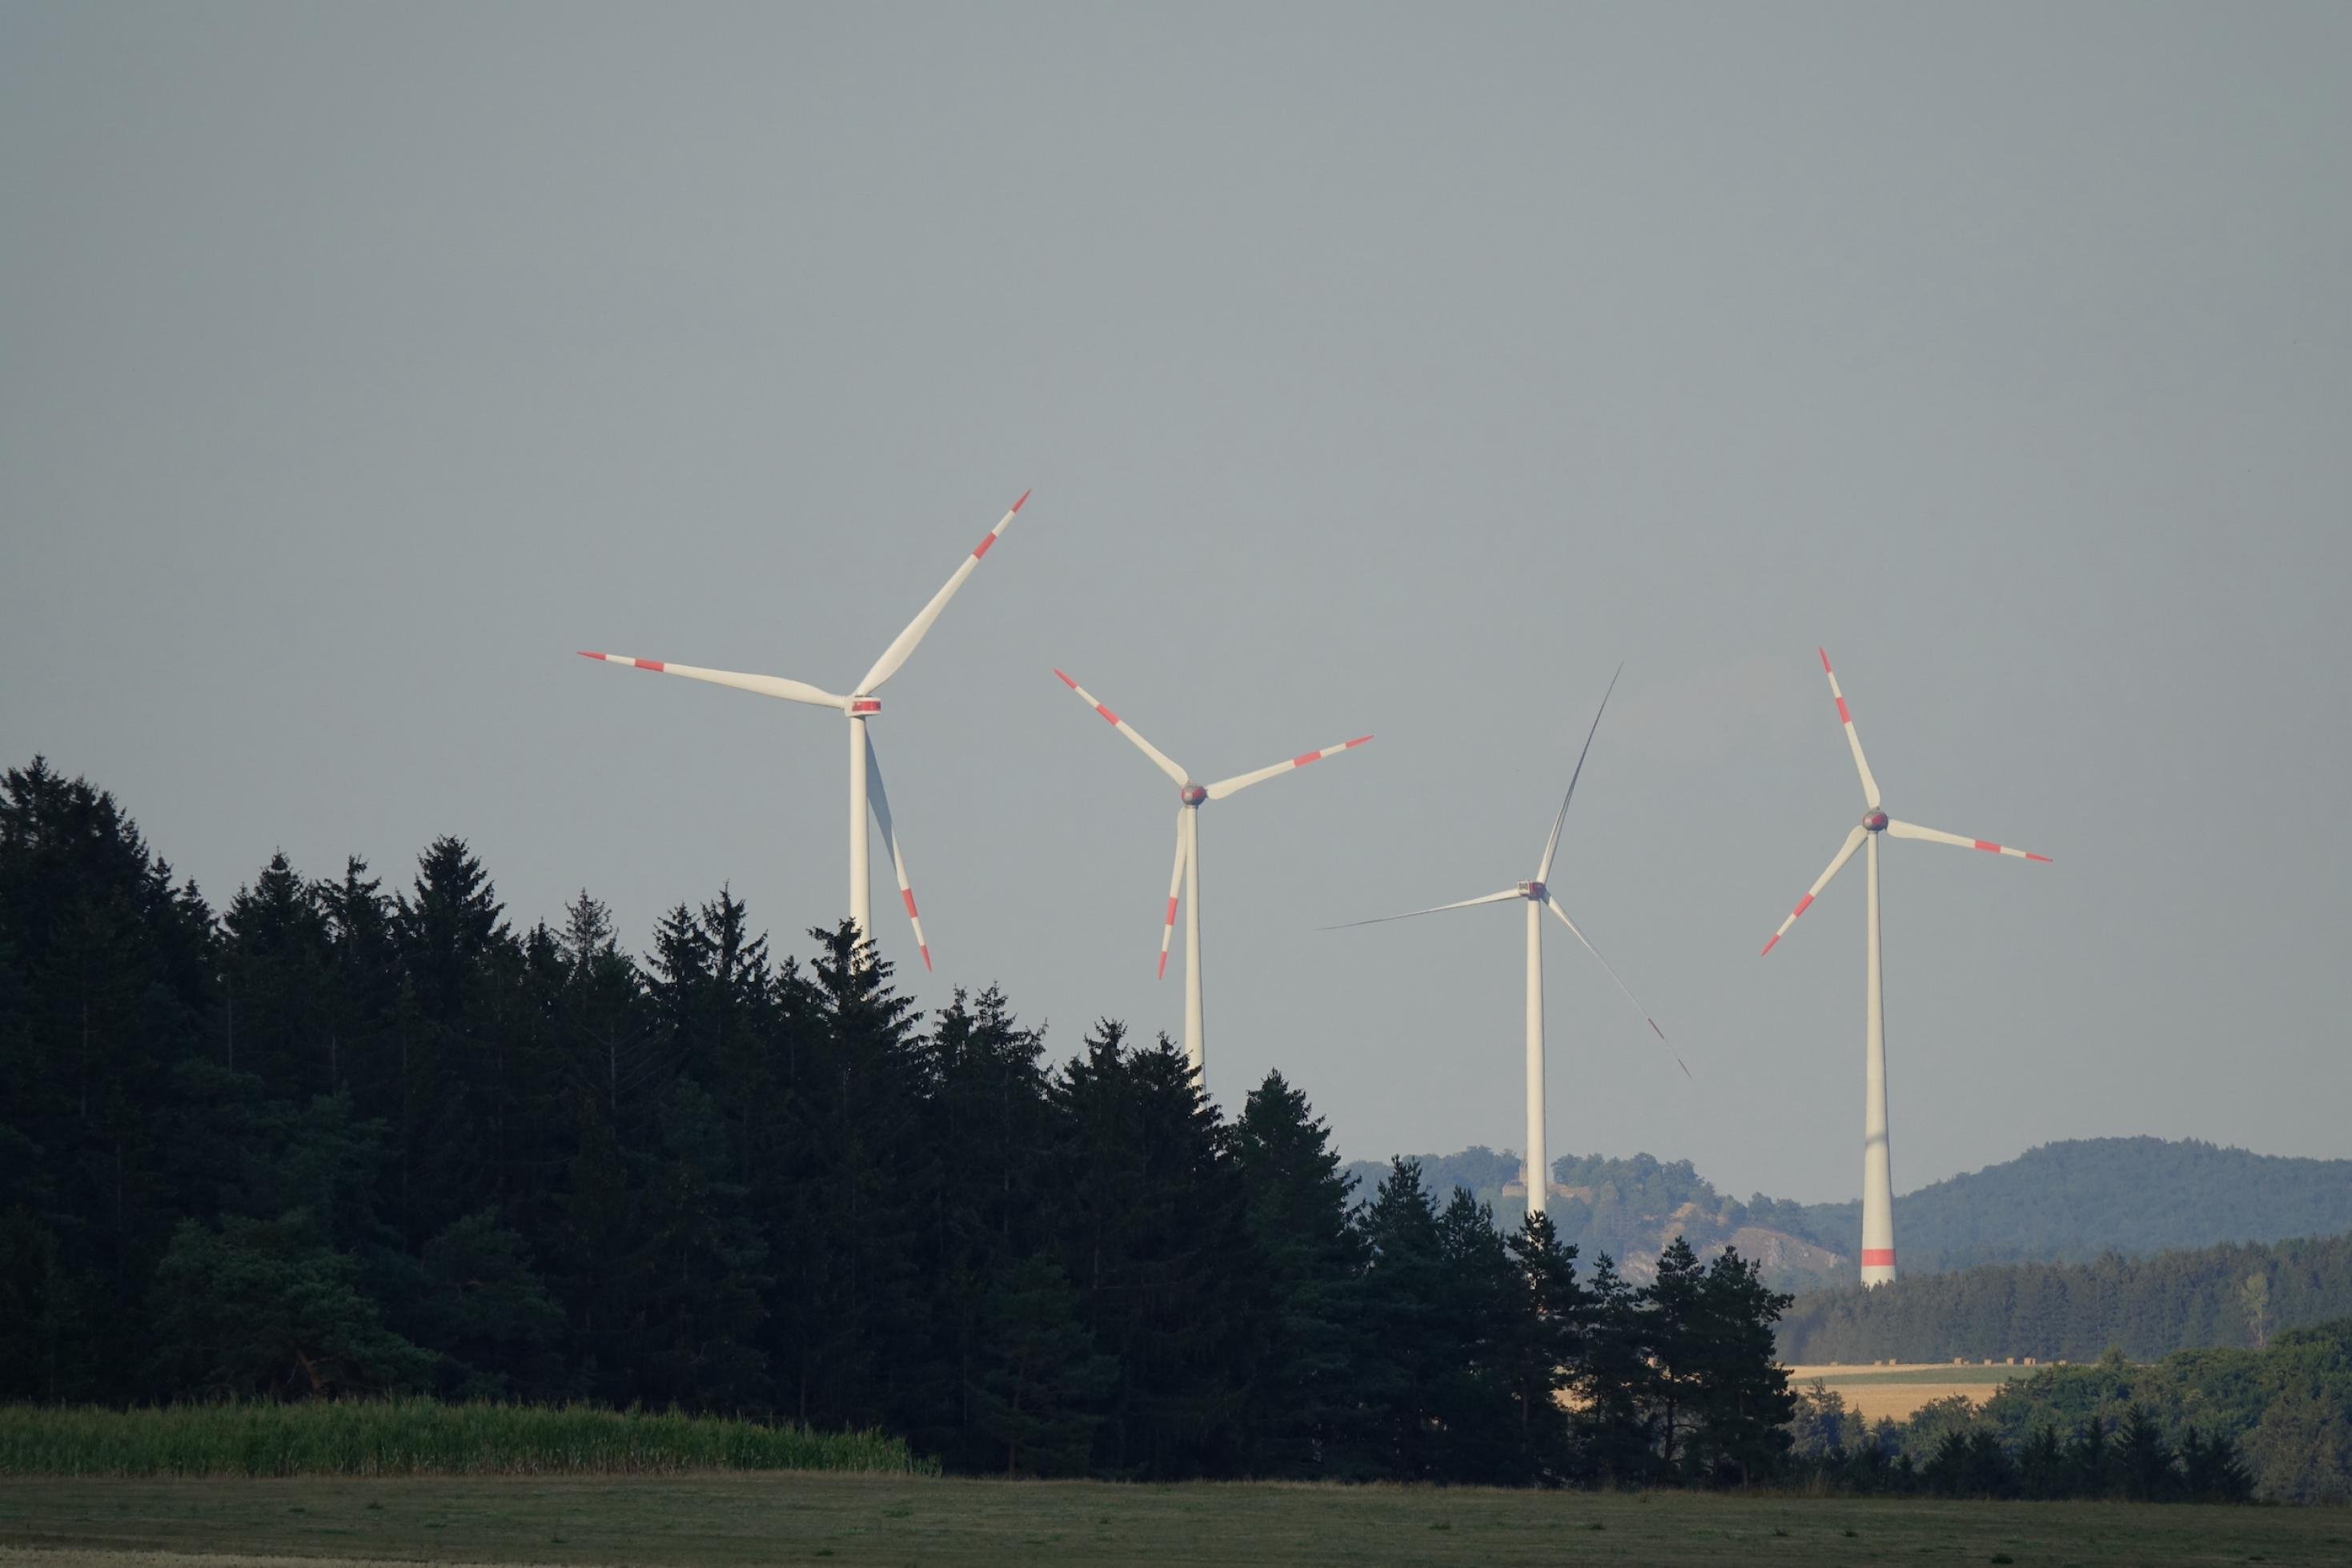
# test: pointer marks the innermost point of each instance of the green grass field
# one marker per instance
(869, 1519)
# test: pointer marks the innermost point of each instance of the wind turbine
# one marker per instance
(866, 791)
(1190, 798)
(1877, 1175)
(1537, 896)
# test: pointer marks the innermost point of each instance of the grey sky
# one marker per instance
(1377, 370)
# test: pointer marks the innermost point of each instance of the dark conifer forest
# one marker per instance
(362, 1133)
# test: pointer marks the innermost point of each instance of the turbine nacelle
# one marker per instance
(1534, 892)
(858, 707)
(1192, 794)
(1875, 821)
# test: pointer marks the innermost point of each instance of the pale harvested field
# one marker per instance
(1897, 1391)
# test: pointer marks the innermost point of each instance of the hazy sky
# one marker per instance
(1396, 370)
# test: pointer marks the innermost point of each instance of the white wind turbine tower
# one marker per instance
(1537, 896)
(1184, 883)
(1877, 1172)
(866, 792)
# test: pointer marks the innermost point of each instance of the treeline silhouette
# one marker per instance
(337, 1138)
(2196, 1424)
(2235, 1296)
(1951, 1451)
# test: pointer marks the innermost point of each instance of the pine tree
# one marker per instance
(1675, 1330)
(1738, 1391)
(1618, 1420)
(1553, 1323)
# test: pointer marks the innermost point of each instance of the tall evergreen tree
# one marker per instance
(1303, 1415)
(1155, 1241)
(1400, 1379)
(1739, 1402)
(1616, 1422)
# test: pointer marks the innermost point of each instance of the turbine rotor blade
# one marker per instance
(1433, 909)
(1158, 758)
(1861, 766)
(904, 646)
(1240, 781)
(1913, 831)
(879, 800)
(1846, 852)
(766, 685)
(1551, 845)
(1175, 886)
(1621, 986)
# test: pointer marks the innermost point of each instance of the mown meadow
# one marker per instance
(848, 1519)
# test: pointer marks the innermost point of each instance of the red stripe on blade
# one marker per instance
(2031, 856)
(1878, 1257)
(1993, 848)
(982, 547)
(1163, 964)
(927, 957)
(1303, 761)
(908, 894)
(1802, 904)
(586, 655)
(1171, 913)
(1106, 714)
(1065, 680)
(655, 666)
(1767, 947)
(1824, 653)
(1844, 716)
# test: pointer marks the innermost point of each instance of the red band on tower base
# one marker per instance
(1878, 1257)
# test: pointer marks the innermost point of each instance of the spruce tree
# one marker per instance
(1480, 1439)
(1036, 1385)
(1407, 1336)
(984, 1219)
(1154, 1237)
(1303, 1415)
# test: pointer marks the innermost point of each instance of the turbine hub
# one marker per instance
(1876, 821)
(1533, 891)
(1191, 794)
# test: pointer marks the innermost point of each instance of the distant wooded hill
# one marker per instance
(2232, 1297)
(2063, 1202)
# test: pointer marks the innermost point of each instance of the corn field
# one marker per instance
(419, 1438)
